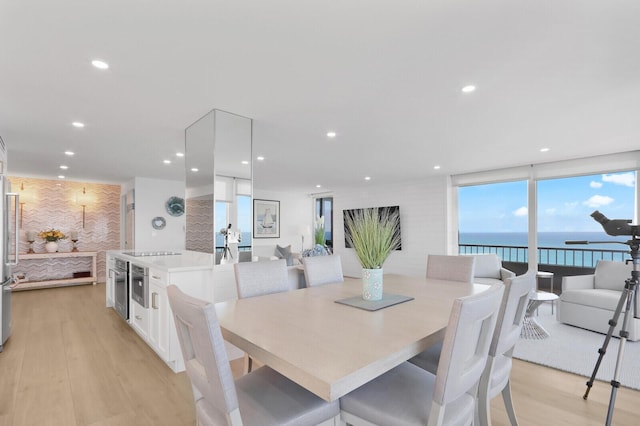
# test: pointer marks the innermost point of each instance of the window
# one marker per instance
(324, 207)
(222, 221)
(244, 221)
(496, 218)
(565, 206)
(493, 219)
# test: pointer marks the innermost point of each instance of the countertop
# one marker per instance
(185, 261)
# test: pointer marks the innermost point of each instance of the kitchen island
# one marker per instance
(141, 289)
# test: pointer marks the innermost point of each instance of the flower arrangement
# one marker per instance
(318, 233)
(52, 235)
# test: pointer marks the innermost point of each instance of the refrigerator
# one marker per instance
(9, 203)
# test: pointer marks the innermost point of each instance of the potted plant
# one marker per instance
(373, 233)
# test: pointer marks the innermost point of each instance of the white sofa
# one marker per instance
(590, 301)
(488, 269)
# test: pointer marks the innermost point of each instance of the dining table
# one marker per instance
(331, 348)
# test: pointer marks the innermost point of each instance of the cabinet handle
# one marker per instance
(138, 317)
(155, 277)
(153, 300)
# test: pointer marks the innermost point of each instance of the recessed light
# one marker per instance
(436, 167)
(77, 124)
(331, 134)
(69, 153)
(179, 154)
(60, 176)
(468, 89)
(100, 64)
(245, 162)
(194, 169)
(167, 161)
(367, 178)
(260, 158)
(63, 167)
(544, 149)
(318, 186)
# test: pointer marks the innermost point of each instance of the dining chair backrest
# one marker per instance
(496, 376)
(451, 268)
(205, 358)
(319, 270)
(259, 278)
(511, 315)
(465, 350)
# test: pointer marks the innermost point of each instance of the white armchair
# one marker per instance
(590, 301)
(489, 270)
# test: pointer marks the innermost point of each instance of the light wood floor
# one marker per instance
(71, 361)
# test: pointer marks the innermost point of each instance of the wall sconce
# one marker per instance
(83, 203)
(22, 202)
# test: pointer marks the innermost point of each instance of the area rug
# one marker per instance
(575, 350)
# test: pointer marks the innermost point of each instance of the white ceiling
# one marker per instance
(386, 76)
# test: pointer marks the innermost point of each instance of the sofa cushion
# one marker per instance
(285, 253)
(487, 266)
(598, 298)
(611, 275)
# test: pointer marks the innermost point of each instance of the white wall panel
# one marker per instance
(423, 219)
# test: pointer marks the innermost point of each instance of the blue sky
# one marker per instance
(564, 205)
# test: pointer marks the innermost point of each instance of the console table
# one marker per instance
(39, 257)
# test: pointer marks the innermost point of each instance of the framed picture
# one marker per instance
(266, 219)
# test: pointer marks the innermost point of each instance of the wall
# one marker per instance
(56, 204)
(150, 198)
(424, 220)
(296, 218)
(199, 222)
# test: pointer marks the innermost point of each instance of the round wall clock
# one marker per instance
(175, 206)
(158, 222)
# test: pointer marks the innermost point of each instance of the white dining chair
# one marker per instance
(257, 279)
(410, 395)
(319, 270)
(495, 377)
(260, 278)
(263, 397)
(451, 268)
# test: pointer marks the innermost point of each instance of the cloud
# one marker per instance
(595, 184)
(624, 179)
(598, 201)
(522, 211)
(550, 211)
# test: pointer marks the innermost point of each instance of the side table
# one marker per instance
(544, 275)
(532, 329)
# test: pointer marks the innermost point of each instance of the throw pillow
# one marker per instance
(285, 253)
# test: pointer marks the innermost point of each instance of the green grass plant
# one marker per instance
(373, 233)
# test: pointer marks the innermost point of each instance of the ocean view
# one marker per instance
(559, 253)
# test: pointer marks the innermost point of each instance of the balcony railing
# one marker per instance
(582, 258)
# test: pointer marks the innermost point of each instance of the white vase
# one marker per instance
(51, 246)
(372, 284)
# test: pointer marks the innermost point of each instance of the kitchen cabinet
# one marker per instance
(110, 282)
(160, 323)
(191, 272)
(139, 319)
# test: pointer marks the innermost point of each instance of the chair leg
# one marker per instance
(483, 408)
(508, 403)
(248, 364)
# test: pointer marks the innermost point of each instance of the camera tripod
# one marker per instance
(626, 299)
